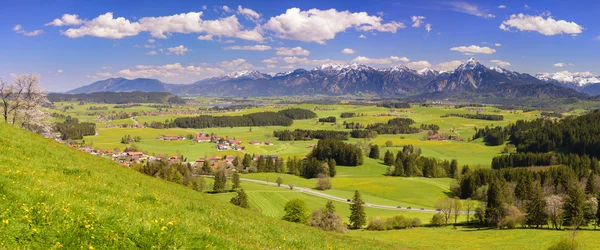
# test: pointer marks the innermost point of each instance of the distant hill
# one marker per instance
(592, 89)
(118, 97)
(54, 196)
(122, 85)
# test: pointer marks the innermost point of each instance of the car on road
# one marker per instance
(422, 209)
(399, 207)
(348, 200)
(438, 210)
(408, 208)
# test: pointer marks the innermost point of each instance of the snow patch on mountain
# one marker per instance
(573, 78)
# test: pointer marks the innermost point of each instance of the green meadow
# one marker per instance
(54, 197)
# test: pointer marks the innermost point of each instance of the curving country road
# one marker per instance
(335, 198)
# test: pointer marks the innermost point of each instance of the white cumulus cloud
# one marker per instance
(171, 72)
(248, 13)
(236, 65)
(179, 50)
(19, 29)
(66, 20)
(59, 71)
(473, 49)
(316, 25)
(362, 36)
(497, 44)
(385, 60)
(106, 26)
(543, 25)
(417, 21)
(449, 66)
(501, 6)
(205, 38)
(249, 47)
(347, 51)
(419, 65)
(296, 51)
(151, 53)
(500, 63)
(559, 64)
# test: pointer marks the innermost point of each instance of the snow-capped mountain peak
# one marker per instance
(427, 72)
(579, 79)
(251, 74)
(470, 64)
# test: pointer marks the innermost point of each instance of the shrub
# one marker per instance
(323, 183)
(415, 222)
(437, 220)
(327, 219)
(376, 224)
(296, 211)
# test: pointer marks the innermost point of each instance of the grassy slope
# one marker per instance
(470, 238)
(53, 196)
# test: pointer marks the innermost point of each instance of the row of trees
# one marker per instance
(394, 126)
(72, 129)
(328, 119)
(345, 154)
(302, 134)
(518, 196)
(126, 139)
(577, 135)
(174, 172)
(395, 105)
(298, 114)
(21, 103)
(408, 162)
(492, 136)
(478, 116)
(249, 120)
(118, 97)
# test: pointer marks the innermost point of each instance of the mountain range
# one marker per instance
(358, 79)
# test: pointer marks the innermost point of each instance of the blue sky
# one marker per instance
(74, 43)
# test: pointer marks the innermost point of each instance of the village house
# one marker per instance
(254, 143)
(268, 143)
(135, 155)
(202, 137)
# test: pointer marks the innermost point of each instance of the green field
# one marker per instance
(56, 197)
(270, 201)
(472, 238)
(473, 153)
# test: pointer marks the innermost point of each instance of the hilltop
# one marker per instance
(54, 196)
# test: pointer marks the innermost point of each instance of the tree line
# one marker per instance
(345, 154)
(554, 197)
(492, 136)
(118, 97)
(395, 105)
(72, 129)
(327, 119)
(408, 162)
(302, 134)
(298, 114)
(249, 120)
(488, 117)
(394, 126)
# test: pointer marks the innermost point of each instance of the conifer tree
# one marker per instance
(374, 153)
(495, 210)
(590, 186)
(220, 181)
(235, 181)
(574, 206)
(388, 158)
(358, 218)
(332, 167)
(536, 208)
(454, 169)
(241, 200)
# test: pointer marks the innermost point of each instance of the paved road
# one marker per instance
(335, 198)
